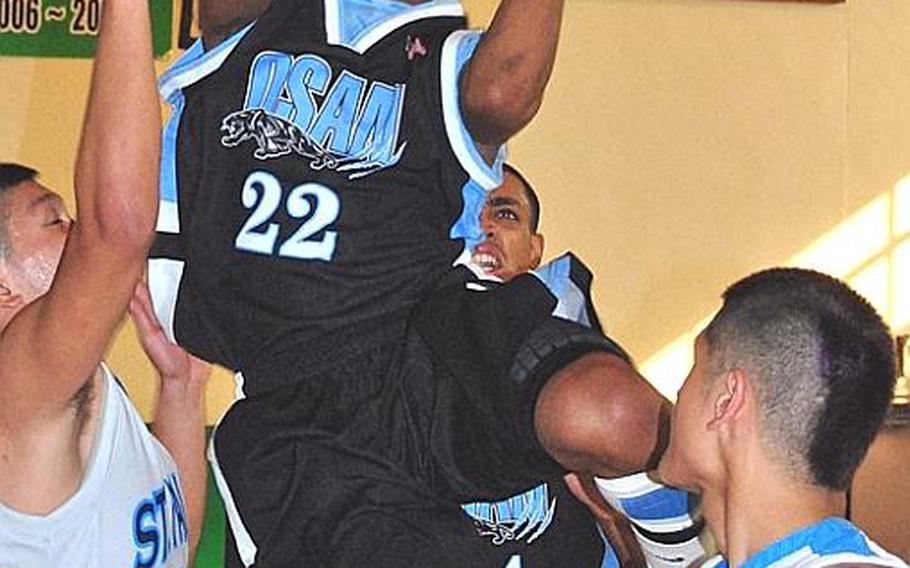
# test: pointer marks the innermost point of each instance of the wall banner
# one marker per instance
(67, 28)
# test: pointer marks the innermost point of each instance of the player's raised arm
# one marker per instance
(502, 87)
(54, 344)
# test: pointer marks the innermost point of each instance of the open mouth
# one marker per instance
(486, 261)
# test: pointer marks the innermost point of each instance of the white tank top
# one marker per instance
(128, 512)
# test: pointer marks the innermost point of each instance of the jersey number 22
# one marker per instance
(262, 193)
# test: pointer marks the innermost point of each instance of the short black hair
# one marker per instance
(529, 192)
(11, 175)
(823, 360)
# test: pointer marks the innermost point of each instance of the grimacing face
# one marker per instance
(510, 247)
(688, 460)
(37, 226)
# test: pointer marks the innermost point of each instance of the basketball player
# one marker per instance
(82, 481)
(791, 382)
(324, 165)
(546, 526)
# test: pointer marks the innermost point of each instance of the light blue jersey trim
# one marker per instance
(193, 65)
(610, 560)
(168, 210)
(662, 504)
(467, 226)
(457, 50)
(835, 539)
(361, 24)
(483, 177)
(572, 300)
(196, 63)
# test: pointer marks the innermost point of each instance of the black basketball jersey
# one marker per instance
(316, 179)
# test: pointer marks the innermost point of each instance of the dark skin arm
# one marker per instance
(503, 84)
(618, 423)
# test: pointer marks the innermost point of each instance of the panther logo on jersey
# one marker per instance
(522, 517)
(274, 137)
(292, 104)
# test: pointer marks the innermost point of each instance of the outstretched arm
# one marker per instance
(180, 414)
(54, 345)
(502, 86)
(618, 425)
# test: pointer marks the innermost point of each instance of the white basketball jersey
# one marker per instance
(128, 512)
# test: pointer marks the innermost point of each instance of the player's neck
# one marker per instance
(763, 505)
(220, 19)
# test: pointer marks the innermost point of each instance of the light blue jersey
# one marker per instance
(829, 542)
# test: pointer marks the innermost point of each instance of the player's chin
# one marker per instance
(505, 274)
(671, 469)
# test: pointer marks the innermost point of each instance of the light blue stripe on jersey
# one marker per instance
(457, 51)
(467, 226)
(193, 65)
(610, 560)
(168, 190)
(483, 177)
(659, 505)
(832, 537)
(196, 63)
(572, 300)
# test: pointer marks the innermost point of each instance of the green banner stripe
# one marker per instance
(67, 28)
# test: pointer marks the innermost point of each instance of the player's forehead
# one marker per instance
(511, 193)
(29, 203)
(30, 196)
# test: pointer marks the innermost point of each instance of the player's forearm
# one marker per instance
(502, 86)
(180, 425)
(117, 167)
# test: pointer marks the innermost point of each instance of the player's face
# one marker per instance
(37, 227)
(510, 247)
(688, 459)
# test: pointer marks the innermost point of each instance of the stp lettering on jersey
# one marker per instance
(159, 525)
(352, 128)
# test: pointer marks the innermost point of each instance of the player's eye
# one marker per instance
(507, 214)
(56, 219)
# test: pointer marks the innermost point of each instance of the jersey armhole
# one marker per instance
(457, 50)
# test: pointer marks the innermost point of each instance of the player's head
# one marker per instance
(509, 222)
(34, 225)
(798, 364)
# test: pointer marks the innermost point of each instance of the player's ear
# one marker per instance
(536, 249)
(730, 402)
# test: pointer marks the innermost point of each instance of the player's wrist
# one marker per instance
(186, 387)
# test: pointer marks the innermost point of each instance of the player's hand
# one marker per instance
(172, 362)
